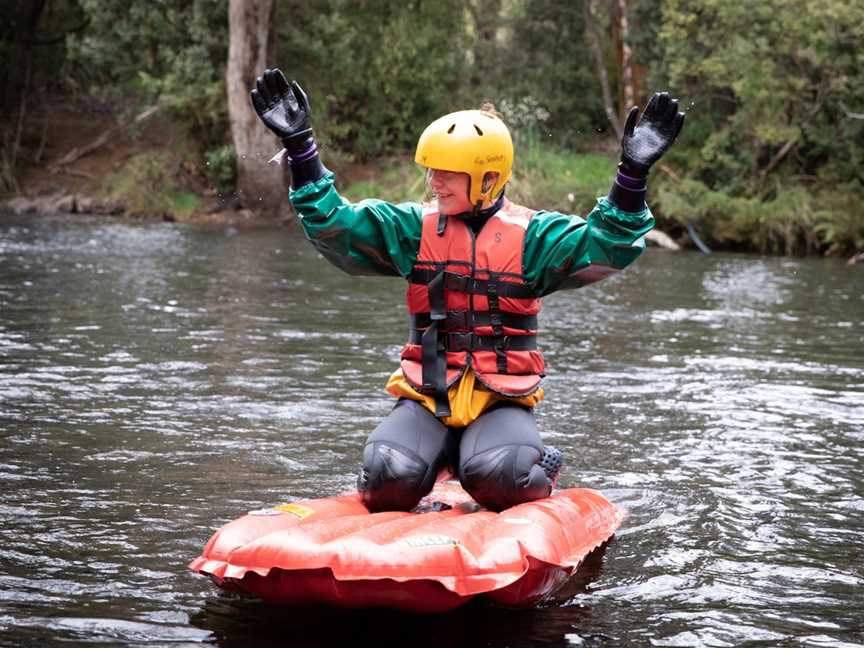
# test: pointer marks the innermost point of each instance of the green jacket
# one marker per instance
(377, 237)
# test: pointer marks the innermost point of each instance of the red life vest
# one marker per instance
(469, 304)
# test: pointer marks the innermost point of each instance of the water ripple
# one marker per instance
(156, 382)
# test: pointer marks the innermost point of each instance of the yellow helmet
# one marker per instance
(469, 141)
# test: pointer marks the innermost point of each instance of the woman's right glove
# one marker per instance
(284, 109)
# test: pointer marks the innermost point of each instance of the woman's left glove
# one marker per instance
(284, 109)
(646, 139)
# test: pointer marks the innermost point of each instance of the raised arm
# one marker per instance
(369, 237)
(569, 252)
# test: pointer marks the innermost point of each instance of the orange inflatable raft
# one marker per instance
(333, 551)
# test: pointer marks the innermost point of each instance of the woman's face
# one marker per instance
(451, 191)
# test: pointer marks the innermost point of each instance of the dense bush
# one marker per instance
(773, 151)
(771, 158)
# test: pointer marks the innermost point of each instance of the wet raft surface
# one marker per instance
(333, 551)
(155, 382)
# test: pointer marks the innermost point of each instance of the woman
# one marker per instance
(477, 266)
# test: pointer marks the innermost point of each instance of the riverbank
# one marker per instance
(76, 159)
(82, 158)
(79, 158)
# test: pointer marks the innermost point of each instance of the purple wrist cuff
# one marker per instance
(628, 193)
(310, 152)
(628, 182)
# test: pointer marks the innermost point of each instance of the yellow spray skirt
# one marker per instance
(469, 398)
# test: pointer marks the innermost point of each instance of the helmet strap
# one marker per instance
(486, 187)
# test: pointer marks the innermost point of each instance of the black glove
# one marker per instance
(642, 145)
(284, 110)
(645, 141)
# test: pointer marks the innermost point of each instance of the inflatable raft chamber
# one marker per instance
(332, 551)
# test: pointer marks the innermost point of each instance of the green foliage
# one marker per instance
(183, 201)
(150, 183)
(839, 221)
(170, 52)
(550, 178)
(771, 157)
(545, 178)
(376, 72)
(770, 226)
(220, 167)
(546, 62)
(397, 180)
(770, 86)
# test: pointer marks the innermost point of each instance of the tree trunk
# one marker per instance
(486, 15)
(24, 19)
(250, 50)
(602, 75)
(626, 54)
(16, 84)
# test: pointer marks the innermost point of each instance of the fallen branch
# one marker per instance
(850, 114)
(73, 172)
(698, 242)
(78, 153)
(662, 239)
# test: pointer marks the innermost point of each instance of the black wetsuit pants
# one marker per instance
(496, 458)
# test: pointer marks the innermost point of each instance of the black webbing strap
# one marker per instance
(473, 342)
(470, 319)
(462, 283)
(495, 321)
(434, 356)
(437, 304)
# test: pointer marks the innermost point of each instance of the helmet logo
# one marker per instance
(489, 159)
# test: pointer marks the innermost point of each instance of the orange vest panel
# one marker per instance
(469, 303)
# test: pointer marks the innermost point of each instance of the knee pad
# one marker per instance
(393, 478)
(551, 462)
(505, 476)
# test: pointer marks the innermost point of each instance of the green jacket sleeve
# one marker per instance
(368, 237)
(570, 252)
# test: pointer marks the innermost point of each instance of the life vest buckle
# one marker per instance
(457, 282)
(460, 341)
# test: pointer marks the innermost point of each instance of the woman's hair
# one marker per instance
(489, 107)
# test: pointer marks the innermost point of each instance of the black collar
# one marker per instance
(477, 218)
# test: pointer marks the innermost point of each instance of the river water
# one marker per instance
(158, 380)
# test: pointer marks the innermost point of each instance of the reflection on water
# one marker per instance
(157, 381)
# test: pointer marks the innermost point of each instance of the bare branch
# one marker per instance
(669, 172)
(778, 157)
(792, 143)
